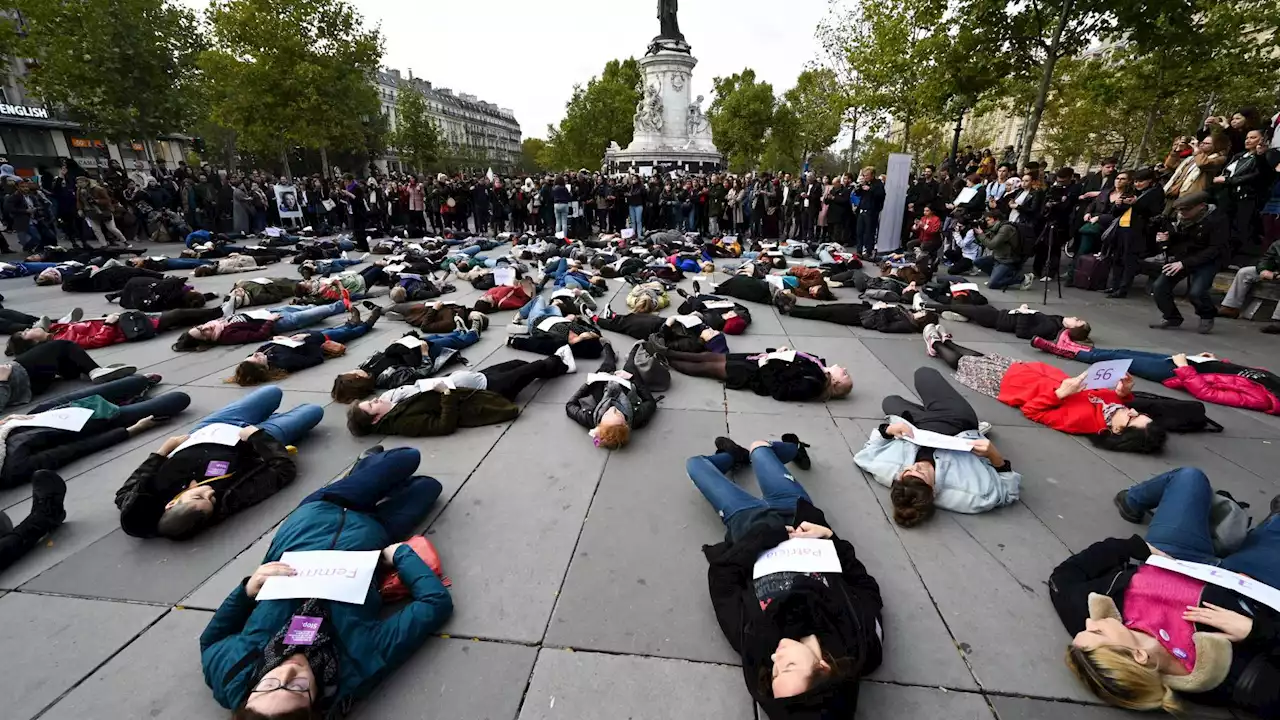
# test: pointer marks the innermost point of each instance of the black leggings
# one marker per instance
(637, 326)
(984, 315)
(944, 410)
(13, 322)
(508, 379)
(839, 313)
(187, 317)
(703, 364)
(951, 353)
(50, 360)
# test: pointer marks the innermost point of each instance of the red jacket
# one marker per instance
(507, 297)
(90, 334)
(929, 229)
(1031, 386)
(1223, 389)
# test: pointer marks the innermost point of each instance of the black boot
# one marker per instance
(741, 458)
(48, 493)
(1126, 512)
(802, 454)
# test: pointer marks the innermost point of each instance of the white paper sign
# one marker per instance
(274, 232)
(551, 322)
(398, 267)
(608, 377)
(718, 304)
(1198, 358)
(774, 280)
(628, 233)
(70, 418)
(783, 355)
(258, 314)
(1106, 374)
(803, 555)
(1248, 587)
(340, 576)
(689, 321)
(962, 287)
(700, 279)
(437, 384)
(260, 281)
(214, 433)
(504, 276)
(966, 195)
(287, 342)
(928, 438)
(409, 341)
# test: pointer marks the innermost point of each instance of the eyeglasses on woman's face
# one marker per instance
(299, 684)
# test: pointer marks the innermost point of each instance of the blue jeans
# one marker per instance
(344, 333)
(455, 340)
(383, 485)
(1005, 274)
(293, 317)
(537, 310)
(182, 263)
(1200, 281)
(691, 220)
(637, 218)
(780, 488)
(258, 408)
(33, 268)
(328, 267)
(867, 227)
(1180, 500)
(1155, 367)
(562, 217)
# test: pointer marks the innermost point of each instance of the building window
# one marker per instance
(24, 141)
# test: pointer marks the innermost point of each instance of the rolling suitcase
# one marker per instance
(1091, 272)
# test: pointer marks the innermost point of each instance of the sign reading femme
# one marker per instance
(24, 111)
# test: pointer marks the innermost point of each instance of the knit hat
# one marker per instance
(735, 326)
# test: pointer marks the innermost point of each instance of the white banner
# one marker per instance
(335, 575)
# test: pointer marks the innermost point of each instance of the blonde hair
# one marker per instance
(1116, 678)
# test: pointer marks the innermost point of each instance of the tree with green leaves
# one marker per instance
(597, 114)
(292, 73)
(807, 119)
(740, 118)
(123, 68)
(416, 136)
(534, 156)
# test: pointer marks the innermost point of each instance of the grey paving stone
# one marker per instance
(872, 381)
(213, 591)
(592, 686)
(1191, 451)
(638, 583)
(1016, 708)
(804, 328)
(51, 643)
(457, 679)
(530, 498)
(156, 676)
(919, 703)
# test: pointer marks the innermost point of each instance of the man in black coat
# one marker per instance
(1195, 245)
(840, 211)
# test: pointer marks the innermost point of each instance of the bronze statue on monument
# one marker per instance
(669, 36)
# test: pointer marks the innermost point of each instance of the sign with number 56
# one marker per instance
(1106, 374)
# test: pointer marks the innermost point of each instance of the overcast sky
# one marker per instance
(527, 55)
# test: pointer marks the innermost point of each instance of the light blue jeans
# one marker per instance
(258, 408)
(293, 317)
(562, 217)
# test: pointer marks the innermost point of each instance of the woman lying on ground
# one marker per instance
(1207, 378)
(611, 407)
(567, 274)
(183, 487)
(92, 278)
(403, 362)
(93, 256)
(33, 372)
(116, 328)
(782, 374)
(120, 410)
(755, 290)
(726, 316)
(428, 408)
(48, 510)
(507, 379)
(938, 291)
(348, 285)
(879, 316)
(161, 263)
(324, 268)
(549, 330)
(649, 297)
(248, 654)
(412, 287)
(1046, 395)
(920, 478)
(255, 326)
(1022, 322)
(805, 639)
(688, 333)
(1146, 636)
(505, 297)
(262, 291)
(281, 357)
(439, 317)
(230, 265)
(155, 294)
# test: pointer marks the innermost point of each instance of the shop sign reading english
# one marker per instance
(24, 111)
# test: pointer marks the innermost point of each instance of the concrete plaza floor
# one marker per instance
(579, 586)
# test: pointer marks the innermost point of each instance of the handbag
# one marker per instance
(136, 325)
(1229, 523)
(393, 588)
(1109, 234)
(650, 367)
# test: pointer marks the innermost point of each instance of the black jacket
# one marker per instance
(892, 319)
(256, 469)
(153, 294)
(112, 279)
(591, 400)
(843, 610)
(291, 359)
(839, 206)
(871, 200)
(1202, 242)
(1030, 325)
(797, 381)
(1107, 567)
(1148, 207)
(1251, 180)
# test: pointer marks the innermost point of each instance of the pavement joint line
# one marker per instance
(94, 598)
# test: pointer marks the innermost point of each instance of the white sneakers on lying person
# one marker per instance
(111, 372)
(565, 353)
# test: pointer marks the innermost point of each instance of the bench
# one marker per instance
(1262, 301)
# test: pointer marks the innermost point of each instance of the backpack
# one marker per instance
(136, 325)
(652, 369)
(1229, 523)
(1180, 416)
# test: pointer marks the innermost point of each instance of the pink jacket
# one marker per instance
(1231, 390)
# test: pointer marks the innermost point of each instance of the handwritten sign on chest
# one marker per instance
(504, 276)
(341, 576)
(805, 555)
(68, 418)
(1246, 586)
(1106, 374)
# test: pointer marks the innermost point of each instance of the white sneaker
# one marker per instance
(984, 427)
(954, 317)
(917, 301)
(365, 257)
(565, 353)
(1027, 281)
(344, 255)
(111, 372)
(932, 334)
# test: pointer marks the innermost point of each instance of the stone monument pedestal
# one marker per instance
(670, 131)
